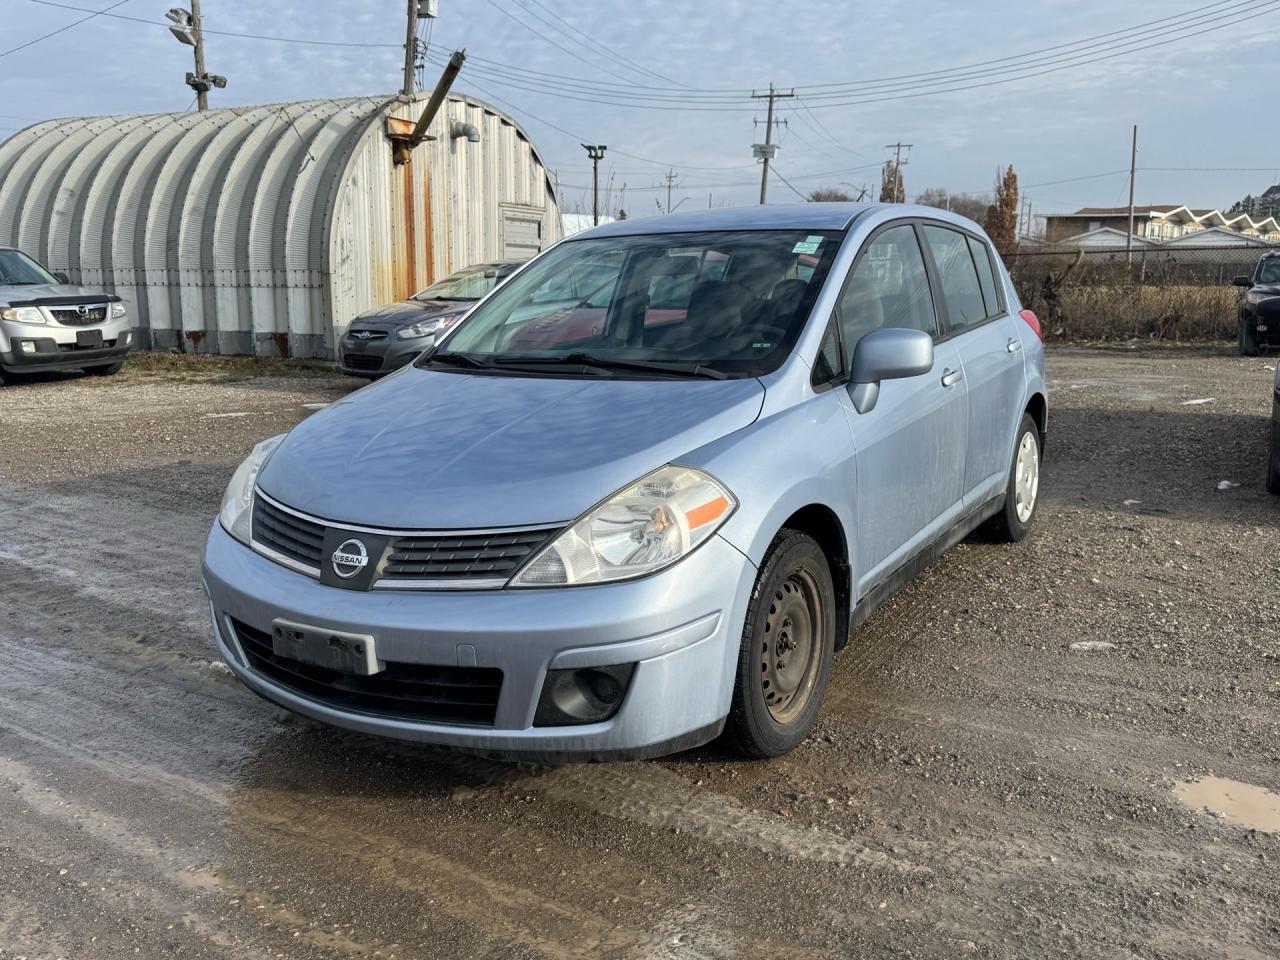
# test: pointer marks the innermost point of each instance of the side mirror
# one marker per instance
(1242, 282)
(61, 277)
(894, 353)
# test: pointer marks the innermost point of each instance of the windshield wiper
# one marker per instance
(611, 363)
(452, 359)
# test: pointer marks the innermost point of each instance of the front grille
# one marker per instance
(298, 539)
(407, 691)
(480, 556)
(361, 361)
(366, 335)
(72, 318)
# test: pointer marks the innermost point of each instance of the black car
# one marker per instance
(1260, 307)
(387, 338)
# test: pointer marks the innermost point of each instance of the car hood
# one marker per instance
(408, 311)
(1268, 288)
(25, 293)
(426, 449)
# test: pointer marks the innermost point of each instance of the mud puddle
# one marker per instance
(1243, 804)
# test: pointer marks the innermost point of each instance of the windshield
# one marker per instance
(17, 269)
(726, 303)
(1268, 272)
(469, 284)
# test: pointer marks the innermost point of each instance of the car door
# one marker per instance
(978, 324)
(909, 449)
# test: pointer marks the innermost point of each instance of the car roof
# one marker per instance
(787, 216)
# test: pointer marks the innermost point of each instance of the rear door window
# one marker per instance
(961, 291)
(986, 277)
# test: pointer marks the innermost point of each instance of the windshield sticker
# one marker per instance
(808, 245)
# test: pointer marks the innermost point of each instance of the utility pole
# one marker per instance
(898, 163)
(410, 46)
(596, 152)
(197, 34)
(186, 29)
(765, 151)
(1133, 170)
(671, 179)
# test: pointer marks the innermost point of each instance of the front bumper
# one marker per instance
(35, 348)
(378, 357)
(1264, 320)
(682, 629)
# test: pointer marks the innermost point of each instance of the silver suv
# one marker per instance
(48, 324)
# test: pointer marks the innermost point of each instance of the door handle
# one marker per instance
(951, 377)
(1013, 346)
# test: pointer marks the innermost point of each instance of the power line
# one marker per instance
(639, 68)
(1252, 9)
(788, 183)
(76, 23)
(221, 33)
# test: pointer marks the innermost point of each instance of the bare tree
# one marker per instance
(892, 189)
(829, 195)
(1002, 216)
(966, 204)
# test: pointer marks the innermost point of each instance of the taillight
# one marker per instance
(1033, 322)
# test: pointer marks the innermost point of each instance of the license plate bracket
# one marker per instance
(353, 653)
(89, 339)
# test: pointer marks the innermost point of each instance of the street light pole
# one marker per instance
(596, 152)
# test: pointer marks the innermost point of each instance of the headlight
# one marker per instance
(1257, 296)
(649, 525)
(22, 314)
(425, 328)
(237, 502)
(118, 310)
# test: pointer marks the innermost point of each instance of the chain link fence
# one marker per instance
(1165, 294)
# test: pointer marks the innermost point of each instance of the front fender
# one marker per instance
(800, 456)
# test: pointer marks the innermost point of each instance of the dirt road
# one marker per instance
(974, 788)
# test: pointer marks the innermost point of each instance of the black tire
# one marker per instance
(792, 611)
(1247, 342)
(1011, 524)
(108, 371)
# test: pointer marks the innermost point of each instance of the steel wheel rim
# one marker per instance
(1026, 477)
(790, 647)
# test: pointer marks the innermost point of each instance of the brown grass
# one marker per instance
(147, 365)
(1147, 311)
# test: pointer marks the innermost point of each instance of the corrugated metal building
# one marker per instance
(267, 229)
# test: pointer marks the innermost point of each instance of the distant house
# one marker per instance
(1098, 226)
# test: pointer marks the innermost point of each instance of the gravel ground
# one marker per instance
(975, 787)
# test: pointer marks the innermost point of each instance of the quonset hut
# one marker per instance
(265, 230)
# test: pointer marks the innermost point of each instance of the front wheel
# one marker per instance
(1248, 340)
(1273, 467)
(1022, 492)
(787, 644)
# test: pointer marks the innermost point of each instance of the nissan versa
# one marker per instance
(615, 523)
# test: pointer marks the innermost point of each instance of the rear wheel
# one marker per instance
(107, 371)
(1022, 492)
(787, 643)
(1248, 339)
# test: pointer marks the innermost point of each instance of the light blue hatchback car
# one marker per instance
(644, 491)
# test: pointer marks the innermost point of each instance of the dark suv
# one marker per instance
(1260, 306)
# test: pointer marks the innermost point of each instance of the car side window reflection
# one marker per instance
(888, 288)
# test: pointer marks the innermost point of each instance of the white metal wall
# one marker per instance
(264, 229)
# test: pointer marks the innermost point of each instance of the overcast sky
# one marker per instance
(1200, 102)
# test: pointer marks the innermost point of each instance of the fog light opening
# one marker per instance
(585, 695)
(26, 346)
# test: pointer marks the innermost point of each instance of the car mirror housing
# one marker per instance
(1242, 282)
(894, 353)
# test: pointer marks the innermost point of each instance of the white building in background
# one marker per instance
(265, 230)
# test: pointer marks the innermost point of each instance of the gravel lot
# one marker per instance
(975, 787)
